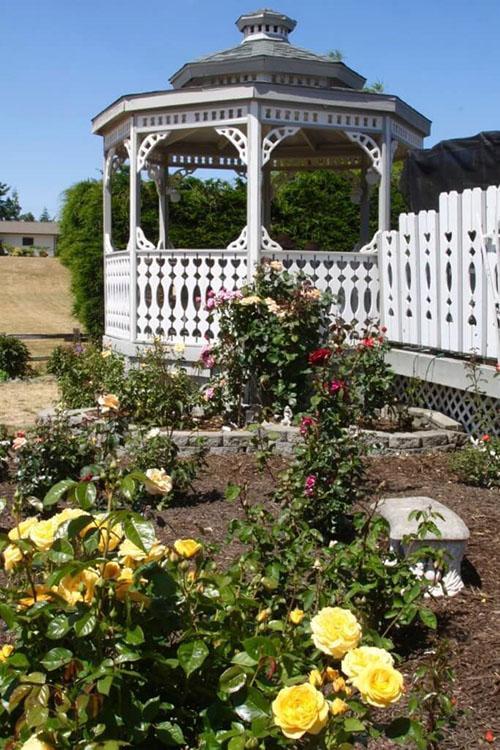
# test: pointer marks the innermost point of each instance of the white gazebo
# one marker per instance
(256, 108)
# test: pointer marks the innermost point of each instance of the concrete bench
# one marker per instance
(453, 539)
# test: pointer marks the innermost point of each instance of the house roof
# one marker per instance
(29, 227)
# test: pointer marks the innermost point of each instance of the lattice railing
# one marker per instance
(353, 279)
(117, 294)
(172, 289)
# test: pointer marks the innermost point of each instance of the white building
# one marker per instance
(39, 234)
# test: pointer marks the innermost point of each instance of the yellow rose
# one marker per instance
(41, 594)
(109, 537)
(315, 678)
(252, 299)
(11, 556)
(339, 707)
(379, 685)
(106, 353)
(21, 531)
(68, 514)
(123, 583)
(158, 482)
(335, 631)
(110, 570)
(108, 402)
(131, 554)
(187, 547)
(358, 659)
(35, 744)
(263, 615)
(299, 710)
(79, 587)
(5, 651)
(42, 534)
(179, 348)
(276, 265)
(296, 616)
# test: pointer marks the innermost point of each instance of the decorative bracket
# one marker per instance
(128, 147)
(238, 139)
(241, 243)
(147, 145)
(273, 138)
(369, 146)
(113, 162)
(267, 243)
(142, 241)
(371, 248)
(157, 174)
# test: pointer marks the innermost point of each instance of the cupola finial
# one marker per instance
(265, 24)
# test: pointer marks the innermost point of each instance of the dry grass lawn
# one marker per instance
(21, 400)
(35, 297)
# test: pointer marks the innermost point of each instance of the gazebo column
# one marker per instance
(364, 211)
(163, 209)
(384, 195)
(134, 223)
(266, 197)
(254, 187)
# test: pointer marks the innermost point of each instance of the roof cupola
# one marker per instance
(265, 24)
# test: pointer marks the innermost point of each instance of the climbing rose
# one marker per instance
(320, 357)
(309, 485)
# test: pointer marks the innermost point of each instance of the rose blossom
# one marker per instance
(19, 442)
(207, 358)
(335, 386)
(306, 425)
(209, 394)
(368, 342)
(309, 485)
(320, 357)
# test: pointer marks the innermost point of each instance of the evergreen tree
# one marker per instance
(9, 204)
(44, 216)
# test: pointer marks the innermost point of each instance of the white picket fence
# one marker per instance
(433, 284)
(440, 275)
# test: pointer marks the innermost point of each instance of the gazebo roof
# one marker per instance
(265, 49)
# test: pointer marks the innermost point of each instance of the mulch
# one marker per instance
(469, 622)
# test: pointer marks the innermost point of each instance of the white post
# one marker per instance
(364, 211)
(135, 210)
(384, 194)
(163, 208)
(254, 187)
(266, 197)
(106, 200)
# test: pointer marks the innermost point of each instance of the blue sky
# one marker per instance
(65, 60)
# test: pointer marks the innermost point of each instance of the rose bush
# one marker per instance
(266, 332)
(117, 639)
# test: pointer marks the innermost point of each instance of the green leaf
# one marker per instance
(55, 658)
(191, 656)
(140, 532)
(58, 491)
(135, 636)
(353, 725)
(61, 552)
(85, 494)
(151, 708)
(128, 487)
(428, 618)
(254, 707)
(232, 492)
(232, 679)
(237, 743)
(7, 615)
(169, 733)
(259, 646)
(57, 627)
(399, 727)
(104, 684)
(85, 625)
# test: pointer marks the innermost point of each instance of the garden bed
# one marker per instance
(467, 621)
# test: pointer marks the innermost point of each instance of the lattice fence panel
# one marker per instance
(117, 292)
(477, 413)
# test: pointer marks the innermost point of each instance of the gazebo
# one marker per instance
(256, 108)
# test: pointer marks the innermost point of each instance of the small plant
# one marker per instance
(84, 371)
(4, 453)
(154, 449)
(157, 392)
(4, 376)
(478, 464)
(14, 357)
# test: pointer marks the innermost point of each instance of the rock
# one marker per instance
(453, 538)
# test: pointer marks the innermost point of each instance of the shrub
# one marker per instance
(47, 453)
(145, 451)
(3, 376)
(157, 392)
(117, 640)
(84, 371)
(266, 333)
(14, 356)
(478, 464)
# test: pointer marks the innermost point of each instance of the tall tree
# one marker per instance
(45, 216)
(9, 204)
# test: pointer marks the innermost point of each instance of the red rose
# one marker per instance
(485, 438)
(489, 736)
(320, 357)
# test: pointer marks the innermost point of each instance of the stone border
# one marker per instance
(446, 435)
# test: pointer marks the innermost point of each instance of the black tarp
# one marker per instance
(456, 164)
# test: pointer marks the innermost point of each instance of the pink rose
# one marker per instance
(309, 485)
(306, 425)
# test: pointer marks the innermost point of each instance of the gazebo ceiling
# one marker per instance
(265, 49)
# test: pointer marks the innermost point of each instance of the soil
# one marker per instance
(21, 400)
(468, 622)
